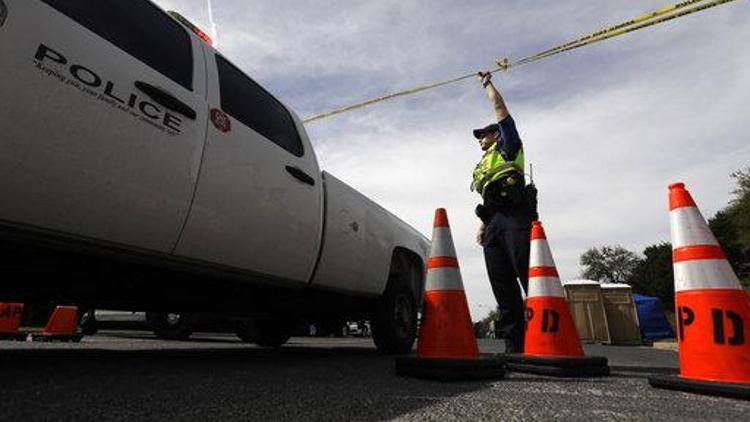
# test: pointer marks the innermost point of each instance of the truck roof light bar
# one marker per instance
(197, 31)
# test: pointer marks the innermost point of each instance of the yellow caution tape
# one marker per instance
(631, 25)
(386, 97)
(608, 30)
(617, 32)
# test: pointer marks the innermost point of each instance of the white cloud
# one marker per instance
(607, 126)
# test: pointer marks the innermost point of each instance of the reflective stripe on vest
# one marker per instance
(493, 166)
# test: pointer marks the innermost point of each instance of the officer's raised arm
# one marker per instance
(501, 110)
(506, 219)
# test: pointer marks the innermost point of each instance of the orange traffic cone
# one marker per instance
(446, 330)
(10, 320)
(551, 345)
(712, 309)
(62, 326)
(446, 347)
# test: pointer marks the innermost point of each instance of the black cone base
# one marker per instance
(479, 368)
(559, 366)
(724, 389)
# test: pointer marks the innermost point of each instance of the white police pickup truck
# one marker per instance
(141, 170)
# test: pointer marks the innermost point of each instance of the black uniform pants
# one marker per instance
(506, 254)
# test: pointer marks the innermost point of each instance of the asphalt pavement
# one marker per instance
(132, 376)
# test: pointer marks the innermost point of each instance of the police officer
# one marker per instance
(506, 211)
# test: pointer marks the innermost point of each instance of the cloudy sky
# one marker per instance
(607, 127)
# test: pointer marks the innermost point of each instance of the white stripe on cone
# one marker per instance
(688, 227)
(545, 286)
(442, 242)
(444, 278)
(540, 254)
(704, 274)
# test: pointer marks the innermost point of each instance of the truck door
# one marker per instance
(102, 116)
(258, 204)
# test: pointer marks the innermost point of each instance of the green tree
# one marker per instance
(653, 275)
(731, 226)
(609, 264)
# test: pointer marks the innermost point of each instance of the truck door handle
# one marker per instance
(300, 175)
(166, 99)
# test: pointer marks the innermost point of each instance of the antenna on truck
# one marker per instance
(214, 34)
(531, 173)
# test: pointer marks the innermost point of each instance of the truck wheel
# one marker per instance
(265, 333)
(394, 323)
(170, 326)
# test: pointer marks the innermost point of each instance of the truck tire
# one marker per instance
(394, 322)
(170, 326)
(265, 333)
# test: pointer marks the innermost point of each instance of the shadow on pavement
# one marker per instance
(641, 371)
(521, 377)
(291, 383)
(145, 335)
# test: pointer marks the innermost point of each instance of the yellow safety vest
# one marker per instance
(493, 167)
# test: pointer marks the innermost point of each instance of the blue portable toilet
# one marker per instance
(654, 324)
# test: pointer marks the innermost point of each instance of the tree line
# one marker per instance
(651, 274)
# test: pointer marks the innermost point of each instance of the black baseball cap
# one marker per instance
(479, 133)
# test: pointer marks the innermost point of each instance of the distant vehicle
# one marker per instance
(168, 326)
(93, 320)
(358, 328)
(140, 169)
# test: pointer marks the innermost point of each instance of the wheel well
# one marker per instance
(407, 266)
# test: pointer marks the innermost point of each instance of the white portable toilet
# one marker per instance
(587, 307)
(622, 315)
